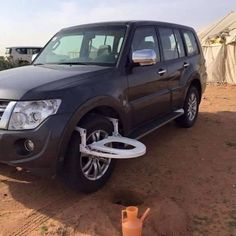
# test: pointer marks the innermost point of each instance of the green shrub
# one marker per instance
(8, 63)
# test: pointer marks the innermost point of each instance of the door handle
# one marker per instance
(186, 64)
(162, 72)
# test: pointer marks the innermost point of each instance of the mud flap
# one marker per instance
(132, 148)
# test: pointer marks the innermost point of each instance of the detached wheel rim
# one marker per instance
(192, 107)
(93, 168)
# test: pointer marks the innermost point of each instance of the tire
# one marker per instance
(191, 107)
(85, 180)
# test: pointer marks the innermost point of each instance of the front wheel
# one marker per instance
(83, 172)
(191, 107)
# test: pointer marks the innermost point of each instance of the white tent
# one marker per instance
(219, 46)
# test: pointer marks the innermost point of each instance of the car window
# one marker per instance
(180, 44)
(22, 50)
(191, 44)
(99, 42)
(35, 50)
(67, 46)
(146, 38)
(29, 50)
(169, 45)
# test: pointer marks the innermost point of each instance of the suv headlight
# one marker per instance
(29, 115)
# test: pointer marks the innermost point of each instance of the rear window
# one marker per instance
(169, 45)
(191, 43)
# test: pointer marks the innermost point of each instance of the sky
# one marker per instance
(34, 22)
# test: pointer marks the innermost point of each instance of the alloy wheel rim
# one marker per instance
(192, 107)
(93, 168)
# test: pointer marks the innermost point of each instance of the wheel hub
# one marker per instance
(192, 107)
(93, 168)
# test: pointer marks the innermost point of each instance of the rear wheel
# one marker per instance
(191, 106)
(87, 173)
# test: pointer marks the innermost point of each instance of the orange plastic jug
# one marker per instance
(131, 224)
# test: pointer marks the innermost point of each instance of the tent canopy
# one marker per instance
(225, 28)
(219, 47)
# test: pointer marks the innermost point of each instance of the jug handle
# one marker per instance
(123, 214)
(145, 214)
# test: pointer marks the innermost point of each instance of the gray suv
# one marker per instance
(142, 74)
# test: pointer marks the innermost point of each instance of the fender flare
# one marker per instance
(194, 76)
(84, 109)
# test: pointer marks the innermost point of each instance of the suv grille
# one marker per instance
(3, 106)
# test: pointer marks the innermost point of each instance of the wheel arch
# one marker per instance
(194, 81)
(105, 106)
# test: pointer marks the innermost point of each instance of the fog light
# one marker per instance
(29, 145)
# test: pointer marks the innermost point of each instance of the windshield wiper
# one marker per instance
(70, 63)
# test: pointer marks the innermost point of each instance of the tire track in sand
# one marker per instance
(38, 217)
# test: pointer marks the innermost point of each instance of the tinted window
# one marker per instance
(35, 50)
(168, 42)
(29, 51)
(146, 38)
(180, 44)
(22, 50)
(191, 43)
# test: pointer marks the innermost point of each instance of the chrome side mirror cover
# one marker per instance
(144, 57)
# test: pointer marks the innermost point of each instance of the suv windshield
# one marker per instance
(98, 46)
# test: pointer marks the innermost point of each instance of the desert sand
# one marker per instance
(187, 178)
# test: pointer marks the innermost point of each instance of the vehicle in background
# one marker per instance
(22, 54)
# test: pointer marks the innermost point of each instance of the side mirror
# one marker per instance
(144, 57)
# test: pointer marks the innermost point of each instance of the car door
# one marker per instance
(148, 93)
(174, 55)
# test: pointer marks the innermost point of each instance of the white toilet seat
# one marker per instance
(138, 149)
(101, 148)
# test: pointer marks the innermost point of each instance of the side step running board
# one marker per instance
(157, 124)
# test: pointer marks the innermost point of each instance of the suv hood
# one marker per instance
(14, 83)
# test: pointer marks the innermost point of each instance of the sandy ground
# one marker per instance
(187, 178)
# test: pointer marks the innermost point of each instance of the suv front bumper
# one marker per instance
(46, 139)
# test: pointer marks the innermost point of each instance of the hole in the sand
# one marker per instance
(128, 198)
